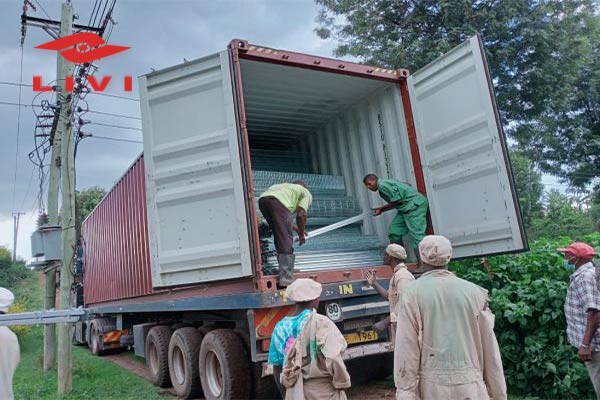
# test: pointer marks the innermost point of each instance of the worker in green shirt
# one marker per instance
(277, 204)
(411, 205)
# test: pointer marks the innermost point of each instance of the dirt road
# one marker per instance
(127, 361)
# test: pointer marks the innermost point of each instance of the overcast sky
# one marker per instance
(161, 34)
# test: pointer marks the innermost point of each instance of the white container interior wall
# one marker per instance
(348, 126)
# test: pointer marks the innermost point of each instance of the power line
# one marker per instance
(115, 96)
(96, 93)
(18, 135)
(115, 126)
(8, 103)
(28, 189)
(14, 84)
(115, 139)
(43, 10)
(114, 115)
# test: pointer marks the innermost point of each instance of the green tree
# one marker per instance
(528, 182)
(5, 256)
(562, 218)
(85, 201)
(543, 57)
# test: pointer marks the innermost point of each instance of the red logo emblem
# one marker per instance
(82, 47)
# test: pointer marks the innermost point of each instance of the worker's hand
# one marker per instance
(371, 278)
(485, 263)
(585, 353)
(380, 326)
(377, 211)
(302, 238)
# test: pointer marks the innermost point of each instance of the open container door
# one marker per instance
(195, 192)
(463, 152)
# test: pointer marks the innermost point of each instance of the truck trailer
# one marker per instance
(175, 261)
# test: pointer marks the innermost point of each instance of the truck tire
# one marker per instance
(224, 366)
(184, 347)
(95, 342)
(262, 388)
(157, 355)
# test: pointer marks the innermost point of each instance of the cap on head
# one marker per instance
(6, 299)
(435, 250)
(396, 251)
(579, 249)
(302, 290)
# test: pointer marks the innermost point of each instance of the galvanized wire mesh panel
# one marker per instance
(343, 248)
(277, 160)
(317, 184)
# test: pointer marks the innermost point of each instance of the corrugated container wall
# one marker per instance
(115, 242)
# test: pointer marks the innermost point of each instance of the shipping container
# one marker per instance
(174, 248)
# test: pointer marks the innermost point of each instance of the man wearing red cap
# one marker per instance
(582, 308)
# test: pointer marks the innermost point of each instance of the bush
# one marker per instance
(11, 274)
(527, 294)
(19, 307)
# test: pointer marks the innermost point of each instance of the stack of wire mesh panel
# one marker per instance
(342, 248)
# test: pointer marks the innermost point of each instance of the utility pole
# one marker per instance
(64, 68)
(16, 217)
(67, 212)
(62, 176)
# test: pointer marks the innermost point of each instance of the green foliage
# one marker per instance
(543, 55)
(528, 183)
(5, 256)
(18, 307)
(527, 294)
(85, 202)
(11, 274)
(561, 218)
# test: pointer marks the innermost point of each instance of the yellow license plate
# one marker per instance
(360, 337)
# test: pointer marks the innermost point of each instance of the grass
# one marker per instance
(93, 377)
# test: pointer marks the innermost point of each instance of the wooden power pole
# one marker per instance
(67, 211)
(62, 176)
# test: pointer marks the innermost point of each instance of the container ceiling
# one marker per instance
(290, 102)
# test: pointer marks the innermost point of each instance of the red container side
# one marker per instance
(115, 242)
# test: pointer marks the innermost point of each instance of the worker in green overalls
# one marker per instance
(411, 205)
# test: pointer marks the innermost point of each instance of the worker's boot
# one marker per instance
(286, 269)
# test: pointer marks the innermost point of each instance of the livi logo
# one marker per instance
(83, 47)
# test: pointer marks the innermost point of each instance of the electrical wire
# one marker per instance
(43, 10)
(8, 103)
(90, 111)
(27, 191)
(115, 96)
(18, 135)
(115, 139)
(116, 126)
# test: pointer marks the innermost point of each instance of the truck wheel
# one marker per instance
(157, 355)
(95, 343)
(262, 388)
(184, 347)
(224, 366)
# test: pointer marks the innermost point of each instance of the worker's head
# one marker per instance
(577, 254)
(301, 183)
(6, 300)
(370, 181)
(305, 292)
(394, 255)
(435, 251)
